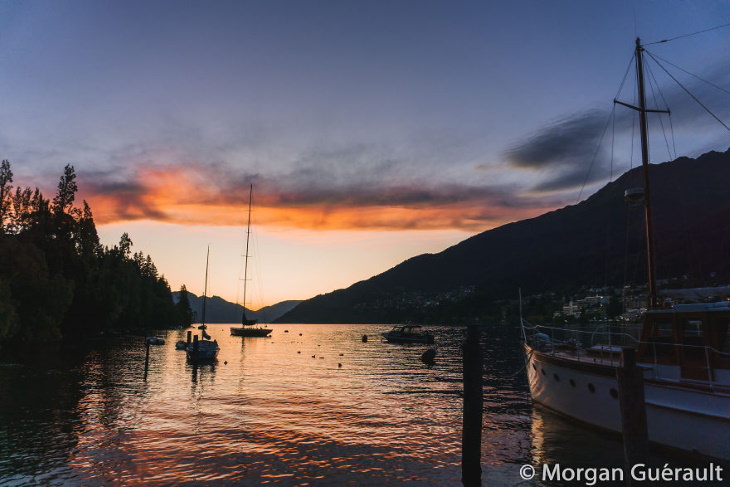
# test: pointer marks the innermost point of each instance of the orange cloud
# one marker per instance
(194, 194)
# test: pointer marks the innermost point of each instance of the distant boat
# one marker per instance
(155, 341)
(408, 334)
(683, 353)
(205, 350)
(248, 328)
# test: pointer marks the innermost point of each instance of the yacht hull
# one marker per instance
(679, 416)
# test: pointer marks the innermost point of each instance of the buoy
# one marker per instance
(339, 365)
(364, 338)
(428, 356)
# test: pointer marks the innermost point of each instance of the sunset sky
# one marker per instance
(372, 131)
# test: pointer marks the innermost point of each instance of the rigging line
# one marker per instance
(654, 86)
(688, 35)
(655, 57)
(691, 95)
(673, 150)
(595, 154)
(626, 75)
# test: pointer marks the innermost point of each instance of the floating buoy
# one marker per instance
(339, 365)
(428, 356)
(364, 338)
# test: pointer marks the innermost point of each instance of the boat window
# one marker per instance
(693, 328)
(693, 348)
(723, 328)
(721, 358)
(659, 341)
(661, 328)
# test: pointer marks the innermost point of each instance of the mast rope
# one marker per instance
(688, 35)
(689, 92)
(654, 87)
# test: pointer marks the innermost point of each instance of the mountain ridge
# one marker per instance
(218, 310)
(596, 242)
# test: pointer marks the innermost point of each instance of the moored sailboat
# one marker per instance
(682, 351)
(205, 350)
(248, 326)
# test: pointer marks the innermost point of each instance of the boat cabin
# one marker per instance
(688, 342)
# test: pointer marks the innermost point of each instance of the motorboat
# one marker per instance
(408, 334)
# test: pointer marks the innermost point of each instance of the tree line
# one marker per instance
(57, 280)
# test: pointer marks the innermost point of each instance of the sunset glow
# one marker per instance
(371, 132)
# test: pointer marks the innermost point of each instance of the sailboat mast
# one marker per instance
(205, 287)
(643, 124)
(245, 259)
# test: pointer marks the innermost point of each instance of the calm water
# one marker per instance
(311, 406)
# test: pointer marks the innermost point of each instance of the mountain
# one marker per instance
(595, 243)
(218, 310)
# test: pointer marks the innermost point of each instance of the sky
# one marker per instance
(371, 131)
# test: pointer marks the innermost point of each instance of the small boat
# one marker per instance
(205, 350)
(202, 351)
(408, 334)
(248, 328)
(154, 341)
(683, 353)
(181, 345)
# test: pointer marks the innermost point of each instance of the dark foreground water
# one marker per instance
(311, 405)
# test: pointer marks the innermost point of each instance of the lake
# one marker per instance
(312, 405)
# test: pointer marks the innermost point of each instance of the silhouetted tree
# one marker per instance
(6, 177)
(56, 279)
(183, 307)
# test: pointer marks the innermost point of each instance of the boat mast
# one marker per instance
(205, 288)
(245, 259)
(653, 301)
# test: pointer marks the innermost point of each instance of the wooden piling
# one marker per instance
(471, 445)
(633, 410)
(146, 357)
(190, 334)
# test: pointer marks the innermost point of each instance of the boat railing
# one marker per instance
(604, 347)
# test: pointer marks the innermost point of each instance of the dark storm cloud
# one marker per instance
(565, 151)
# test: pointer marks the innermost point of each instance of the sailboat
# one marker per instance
(683, 353)
(248, 328)
(204, 350)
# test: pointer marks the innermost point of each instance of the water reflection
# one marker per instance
(314, 406)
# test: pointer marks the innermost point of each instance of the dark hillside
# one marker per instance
(597, 242)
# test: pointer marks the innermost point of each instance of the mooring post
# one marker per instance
(190, 334)
(633, 410)
(146, 357)
(471, 445)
